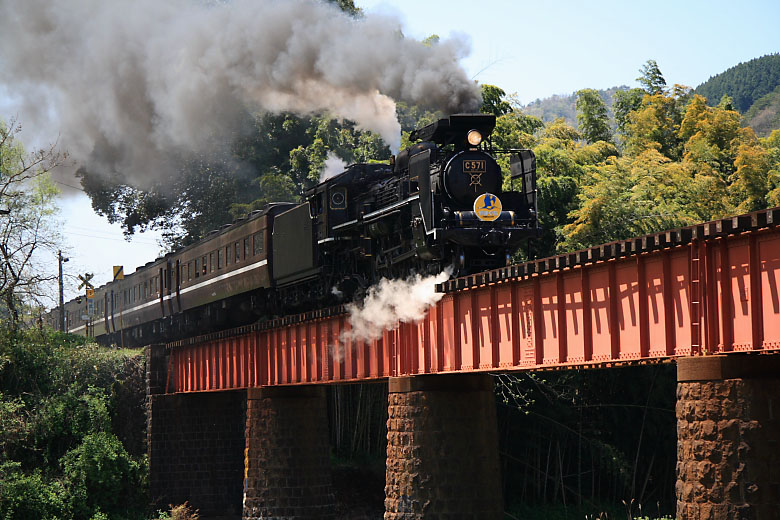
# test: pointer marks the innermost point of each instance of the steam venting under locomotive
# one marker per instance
(442, 203)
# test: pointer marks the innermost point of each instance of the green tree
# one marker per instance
(493, 101)
(629, 196)
(431, 40)
(651, 79)
(727, 103)
(562, 163)
(592, 116)
(624, 102)
(27, 208)
(348, 6)
(772, 145)
(516, 130)
(748, 189)
(656, 123)
(209, 192)
(101, 477)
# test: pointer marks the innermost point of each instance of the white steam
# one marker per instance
(393, 301)
(134, 86)
(332, 167)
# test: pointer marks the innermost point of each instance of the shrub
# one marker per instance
(29, 497)
(101, 477)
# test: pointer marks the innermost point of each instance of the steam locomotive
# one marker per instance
(441, 203)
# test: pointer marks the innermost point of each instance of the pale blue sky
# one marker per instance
(537, 49)
(534, 49)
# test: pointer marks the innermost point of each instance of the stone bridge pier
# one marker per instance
(195, 445)
(442, 448)
(287, 463)
(252, 454)
(728, 430)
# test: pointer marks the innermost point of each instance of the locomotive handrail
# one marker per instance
(391, 207)
(345, 224)
(374, 217)
(508, 150)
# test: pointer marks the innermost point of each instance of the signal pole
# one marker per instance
(60, 261)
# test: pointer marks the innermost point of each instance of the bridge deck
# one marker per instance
(711, 288)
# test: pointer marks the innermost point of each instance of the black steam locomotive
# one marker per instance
(439, 204)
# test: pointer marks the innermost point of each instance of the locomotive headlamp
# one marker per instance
(474, 137)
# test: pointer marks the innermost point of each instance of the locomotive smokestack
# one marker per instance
(132, 87)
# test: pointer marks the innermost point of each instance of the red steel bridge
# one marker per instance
(705, 289)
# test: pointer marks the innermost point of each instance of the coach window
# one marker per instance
(238, 251)
(146, 289)
(205, 269)
(219, 258)
(189, 271)
(246, 248)
(259, 245)
(211, 261)
(197, 268)
(184, 269)
(227, 256)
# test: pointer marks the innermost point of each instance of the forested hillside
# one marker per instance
(746, 83)
(564, 106)
(764, 115)
(753, 87)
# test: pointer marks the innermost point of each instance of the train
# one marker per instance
(442, 203)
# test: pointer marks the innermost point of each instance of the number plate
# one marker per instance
(474, 166)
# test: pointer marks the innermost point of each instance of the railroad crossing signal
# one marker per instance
(119, 272)
(85, 280)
